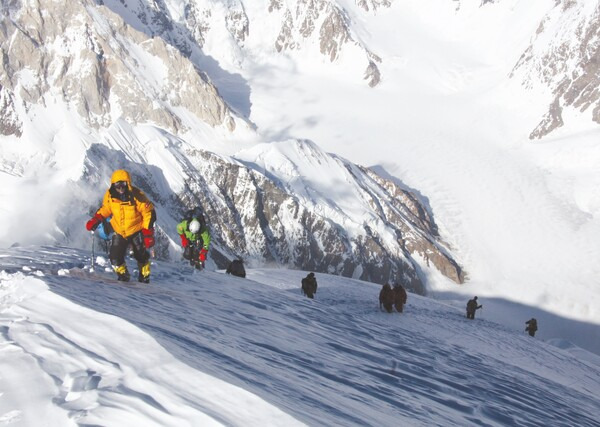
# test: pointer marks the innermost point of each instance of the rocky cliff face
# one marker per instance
(564, 55)
(265, 219)
(9, 119)
(88, 57)
(373, 5)
(302, 24)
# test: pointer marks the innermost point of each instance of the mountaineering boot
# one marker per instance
(144, 275)
(122, 273)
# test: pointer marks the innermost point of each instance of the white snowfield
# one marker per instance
(204, 348)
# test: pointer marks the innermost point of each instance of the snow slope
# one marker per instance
(448, 121)
(197, 348)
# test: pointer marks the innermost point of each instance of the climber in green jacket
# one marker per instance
(195, 237)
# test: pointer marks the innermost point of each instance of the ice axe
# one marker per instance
(93, 254)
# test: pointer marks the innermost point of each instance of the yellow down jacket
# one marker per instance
(132, 214)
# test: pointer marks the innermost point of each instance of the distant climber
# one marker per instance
(472, 307)
(133, 218)
(399, 297)
(531, 326)
(195, 237)
(236, 268)
(309, 285)
(386, 298)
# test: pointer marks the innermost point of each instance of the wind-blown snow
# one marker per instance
(201, 348)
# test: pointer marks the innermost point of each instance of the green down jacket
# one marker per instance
(202, 237)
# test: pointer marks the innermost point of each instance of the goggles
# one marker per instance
(120, 185)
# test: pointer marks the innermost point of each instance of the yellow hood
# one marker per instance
(121, 175)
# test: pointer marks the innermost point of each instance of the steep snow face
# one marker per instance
(205, 348)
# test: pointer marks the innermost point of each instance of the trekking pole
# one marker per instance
(93, 254)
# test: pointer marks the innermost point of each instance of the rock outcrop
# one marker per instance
(10, 123)
(256, 216)
(564, 56)
(87, 56)
(302, 24)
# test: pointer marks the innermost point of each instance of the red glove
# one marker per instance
(184, 241)
(202, 254)
(148, 237)
(93, 223)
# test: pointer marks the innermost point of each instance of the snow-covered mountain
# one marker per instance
(267, 113)
(561, 58)
(115, 78)
(202, 348)
(283, 208)
(564, 56)
(240, 29)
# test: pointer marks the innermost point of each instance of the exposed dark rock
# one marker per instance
(255, 218)
(569, 65)
(9, 119)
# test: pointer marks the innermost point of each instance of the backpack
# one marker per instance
(399, 294)
(236, 267)
(309, 285)
(105, 230)
(386, 295)
(304, 285)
